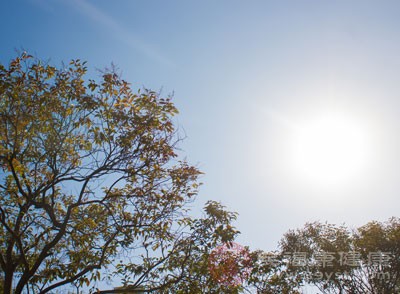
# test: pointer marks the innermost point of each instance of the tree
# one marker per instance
(88, 170)
(338, 260)
(270, 275)
(184, 268)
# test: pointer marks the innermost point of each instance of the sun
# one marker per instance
(330, 149)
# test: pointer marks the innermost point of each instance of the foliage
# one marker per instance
(194, 257)
(338, 260)
(87, 170)
(183, 266)
(230, 264)
(270, 275)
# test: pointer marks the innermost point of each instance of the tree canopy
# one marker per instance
(339, 260)
(89, 172)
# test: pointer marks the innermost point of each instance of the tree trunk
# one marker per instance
(7, 283)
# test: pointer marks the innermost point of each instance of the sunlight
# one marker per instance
(330, 149)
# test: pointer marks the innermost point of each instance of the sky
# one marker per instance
(259, 85)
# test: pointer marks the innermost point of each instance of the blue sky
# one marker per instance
(245, 74)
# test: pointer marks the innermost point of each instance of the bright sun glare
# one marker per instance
(330, 149)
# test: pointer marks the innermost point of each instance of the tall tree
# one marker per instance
(87, 170)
